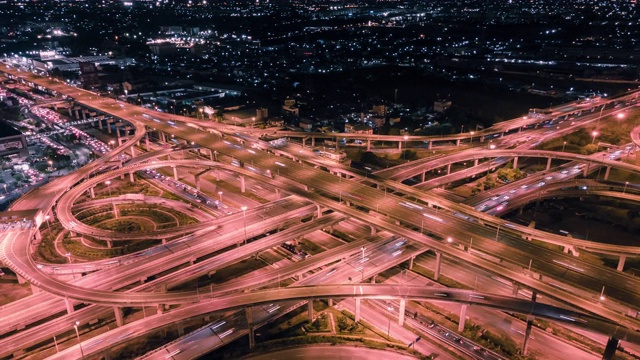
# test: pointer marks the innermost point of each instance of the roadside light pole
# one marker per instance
(625, 187)
(46, 217)
(564, 143)
(471, 137)
(75, 326)
(220, 195)
(362, 248)
(244, 222)
(602, 294)
(595, 133)
(108, 183)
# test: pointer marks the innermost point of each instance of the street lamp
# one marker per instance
(362, 248)
(625, 187)
(564, 143)
(5, 189)
(449, 239)
(220, 195)
(68, 255)
(108, 182)
(471, 137)
(111, 143)
(46, 217)
(595, 133)
(50, 165)
(75, 326)
(244, 222)
(602, 294)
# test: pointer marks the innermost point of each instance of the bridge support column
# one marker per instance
(527, 334)
(399, 145)
(160, 309)
(119, 316)
(373, 279)
(403, 305)
(423, 176)
(319, 210)
(607, 172)
(368, 145)
(109, 244)
(304, 142)
(252, 335)
(610, 349)
(548, 164)
(34, 289)
(92, 193)
(109, 121)
(115, 211)
(21, 280)
(458, 142)
(515, 162)
(448, 168)
(585, 172)
(180, 329)
(133, 152)
(313, 141)
(131, 177)
(310, 309)
(330, 302)
(242, 184)
(620, 267)
(463, 317)
(514, 289)
(197, 183)
(69, 306)
(475, 162)
(411, 262)
(357, 315)
(436, 271)
(429, 145)
(175, 173)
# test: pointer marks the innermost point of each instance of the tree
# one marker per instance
(343, 325)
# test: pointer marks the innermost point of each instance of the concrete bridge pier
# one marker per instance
(423, 176)
(436, 271)
(34, 289)
(160, 309)
(620, 267)
(242, 184)
(607, 172)
(514, 289)
(610, 349)
(109, 121)
(548, 164)
(252, 335)
(458, 142)
(527, 334)
(515, 162)
(119, 316)
(463, 317)
(319, 211)
(403, 305)
(109, 244)
(368, 145)
(357, 315)
(69, 306)
(131, 179)
(313, 141)
(92, 193)
(133, 152)
(399, 145)
(175, 173)
(373, 278)
(410, 261)
(448, 168)
(100, 124)
(475, 162)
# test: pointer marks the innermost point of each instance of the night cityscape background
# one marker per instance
(319, 179)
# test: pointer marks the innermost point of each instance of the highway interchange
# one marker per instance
(425, 219)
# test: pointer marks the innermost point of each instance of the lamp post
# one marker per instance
(362, 248)
(471, 137)
(108, 183)
(220, 195)
(595, 133)
(449, 239)
(564, 143)
(5, 189)
(68, 255)
(244, 222)
(405, 145)
(50, 165)
(112, 143)
(390, 308)
(75, 326)
(599, 116)
(497, 232)
(46, 217)
(625, 187)
(602, 294)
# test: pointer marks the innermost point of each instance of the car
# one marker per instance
(495, 197)
(512, 191)
(524, 186)
(506, 197)
(482, 207)
(565, 172)
(431, 326)
(548, 178)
